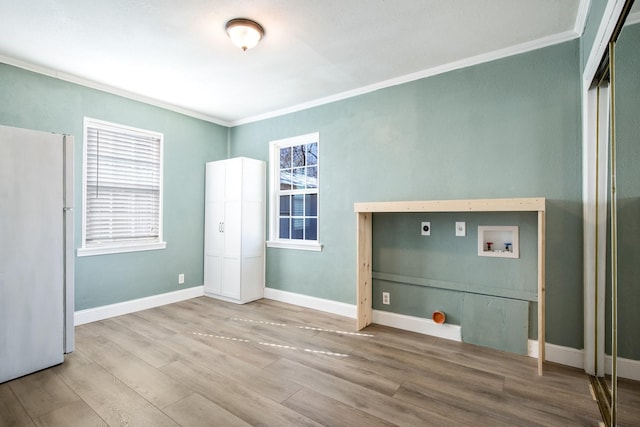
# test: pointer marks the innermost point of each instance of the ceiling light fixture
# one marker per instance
(244, 33)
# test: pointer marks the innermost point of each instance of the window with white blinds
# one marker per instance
(122, 189)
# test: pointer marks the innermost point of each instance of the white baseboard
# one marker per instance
(627, 368)
(558, 354)
(400, 321)
(418, 324)
(564, 355)
(100, 313)
(328, 306)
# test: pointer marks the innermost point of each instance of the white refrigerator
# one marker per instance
(36, 250)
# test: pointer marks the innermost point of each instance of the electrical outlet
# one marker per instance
(181, 279)
(461, 228)
(425, 228)
(386, 298)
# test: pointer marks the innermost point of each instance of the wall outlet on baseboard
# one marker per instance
(181, 279)
(386, 298)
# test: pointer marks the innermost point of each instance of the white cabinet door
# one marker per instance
(232, 249)
(231, 278)
(233, 208)
(213, 227)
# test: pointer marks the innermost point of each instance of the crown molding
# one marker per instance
(71, 78)
(581, 16)
(456, 65)
(608, 22)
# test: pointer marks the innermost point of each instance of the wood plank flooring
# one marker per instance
(205, 362)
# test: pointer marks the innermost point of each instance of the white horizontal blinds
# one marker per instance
(123, 185)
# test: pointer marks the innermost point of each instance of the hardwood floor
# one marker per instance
(204, 362)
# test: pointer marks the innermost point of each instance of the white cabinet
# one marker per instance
(234, 230)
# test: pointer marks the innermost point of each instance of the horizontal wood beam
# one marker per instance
(532, 204)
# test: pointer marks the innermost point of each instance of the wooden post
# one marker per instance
(363, 292)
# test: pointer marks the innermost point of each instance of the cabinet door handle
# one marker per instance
(221, 227)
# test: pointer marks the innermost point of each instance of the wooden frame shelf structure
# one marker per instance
(364, 212)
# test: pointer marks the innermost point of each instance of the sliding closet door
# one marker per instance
(612, 121)
(600, 239)
(626, 67)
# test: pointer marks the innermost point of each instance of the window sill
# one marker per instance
(105, 250)
(302, 246)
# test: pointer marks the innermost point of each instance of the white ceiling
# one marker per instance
(175, 53)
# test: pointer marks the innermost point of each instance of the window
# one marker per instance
(122, 187)
(294, 180)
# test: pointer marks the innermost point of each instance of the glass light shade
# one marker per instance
(244, 33)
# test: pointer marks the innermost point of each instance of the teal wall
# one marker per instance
(508, 128)
(443, 269)
(34, 101)
(627, 98)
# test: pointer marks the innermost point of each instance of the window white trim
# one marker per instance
(274, 193)
(290, 244)
(104, 250)
(135, 245)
